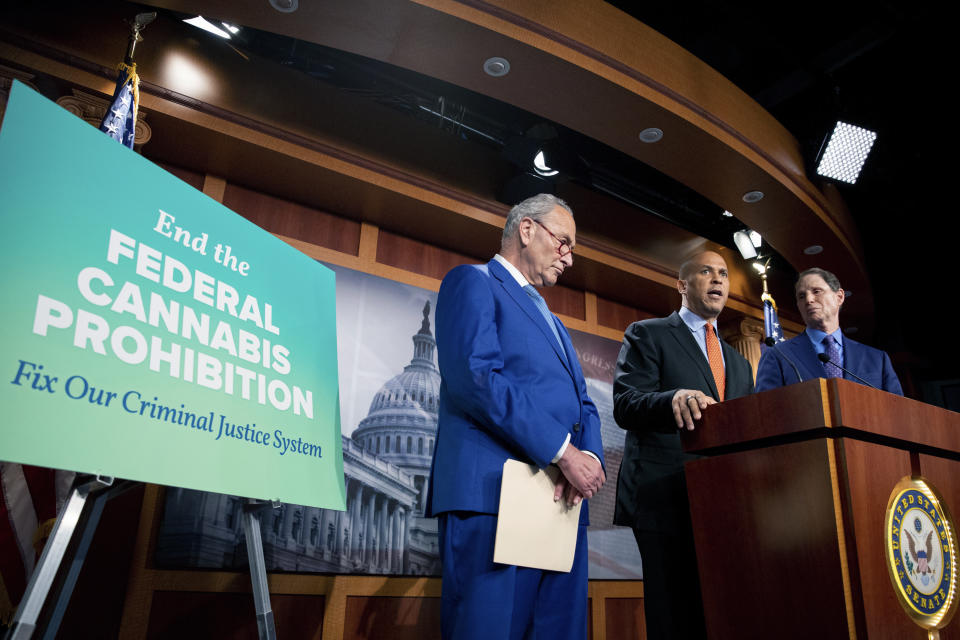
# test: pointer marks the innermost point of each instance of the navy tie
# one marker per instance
(832, 349)
(545, 312)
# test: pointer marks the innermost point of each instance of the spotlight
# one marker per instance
(540, 166)
(202, 23)
(747, 242)
(846, 152)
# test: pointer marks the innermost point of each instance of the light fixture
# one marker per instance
(813, 250)
(760, 267)
(751, 197)
(285, 6)
(202, 23)
(231, 28)
(540, 166)
(727, 214)
(846, 152)
(747, 242)
(651, 135)
(496, 67)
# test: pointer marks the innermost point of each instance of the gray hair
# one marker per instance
(832, 281)
(535, 208)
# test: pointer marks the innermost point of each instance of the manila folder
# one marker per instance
(532, 529)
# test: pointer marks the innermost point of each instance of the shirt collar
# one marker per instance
(512, 270)
(694, 322)
(816, 336)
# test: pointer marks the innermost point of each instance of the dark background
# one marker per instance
(885, 66)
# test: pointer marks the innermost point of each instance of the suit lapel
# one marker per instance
(529, 307)
(681, 332)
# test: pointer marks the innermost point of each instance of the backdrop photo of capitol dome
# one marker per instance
(389, 393)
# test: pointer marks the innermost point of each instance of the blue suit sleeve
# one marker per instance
(591, 440)
(891, 382)
(473, 368)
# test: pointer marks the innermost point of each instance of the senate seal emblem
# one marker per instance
(921, 546)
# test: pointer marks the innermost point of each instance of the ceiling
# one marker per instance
(879, 65)
(876, 64)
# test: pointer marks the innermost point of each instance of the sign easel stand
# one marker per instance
(258, 571)
(66, 549)
(80, 514)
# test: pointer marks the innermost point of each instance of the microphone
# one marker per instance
(824, 358)
(770, 342)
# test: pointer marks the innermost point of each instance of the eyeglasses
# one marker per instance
(564, 247)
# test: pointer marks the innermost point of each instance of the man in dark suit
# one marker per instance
(511, 387)
(669, 370)
(819, 298)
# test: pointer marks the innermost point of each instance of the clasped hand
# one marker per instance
(581, 476)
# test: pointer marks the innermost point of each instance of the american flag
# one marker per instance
(120, 121)
(771, 323)
(31, 497)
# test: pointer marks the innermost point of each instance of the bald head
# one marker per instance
(698, 260)
(704, 284)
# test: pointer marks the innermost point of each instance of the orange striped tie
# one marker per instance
(716, 360)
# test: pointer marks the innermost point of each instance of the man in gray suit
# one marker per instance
(669, 370)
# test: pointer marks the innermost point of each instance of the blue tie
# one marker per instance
(545, 312)
(832, 349)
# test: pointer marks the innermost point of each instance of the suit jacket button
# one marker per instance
(576, 427)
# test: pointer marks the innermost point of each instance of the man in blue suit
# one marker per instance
(819, 298)
(511, 388)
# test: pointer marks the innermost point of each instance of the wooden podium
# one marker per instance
(788, 508)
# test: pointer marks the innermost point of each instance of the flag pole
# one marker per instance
(136, 26)
(120, 120)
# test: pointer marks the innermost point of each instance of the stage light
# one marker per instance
(747, 242)
(846, 152)
(202, 23)
(540, 166)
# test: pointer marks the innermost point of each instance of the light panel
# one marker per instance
(846, 152)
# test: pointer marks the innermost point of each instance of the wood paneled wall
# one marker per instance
(366, 247)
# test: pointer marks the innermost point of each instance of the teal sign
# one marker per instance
(150, 333)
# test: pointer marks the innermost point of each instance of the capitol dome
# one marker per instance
(401, 425)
